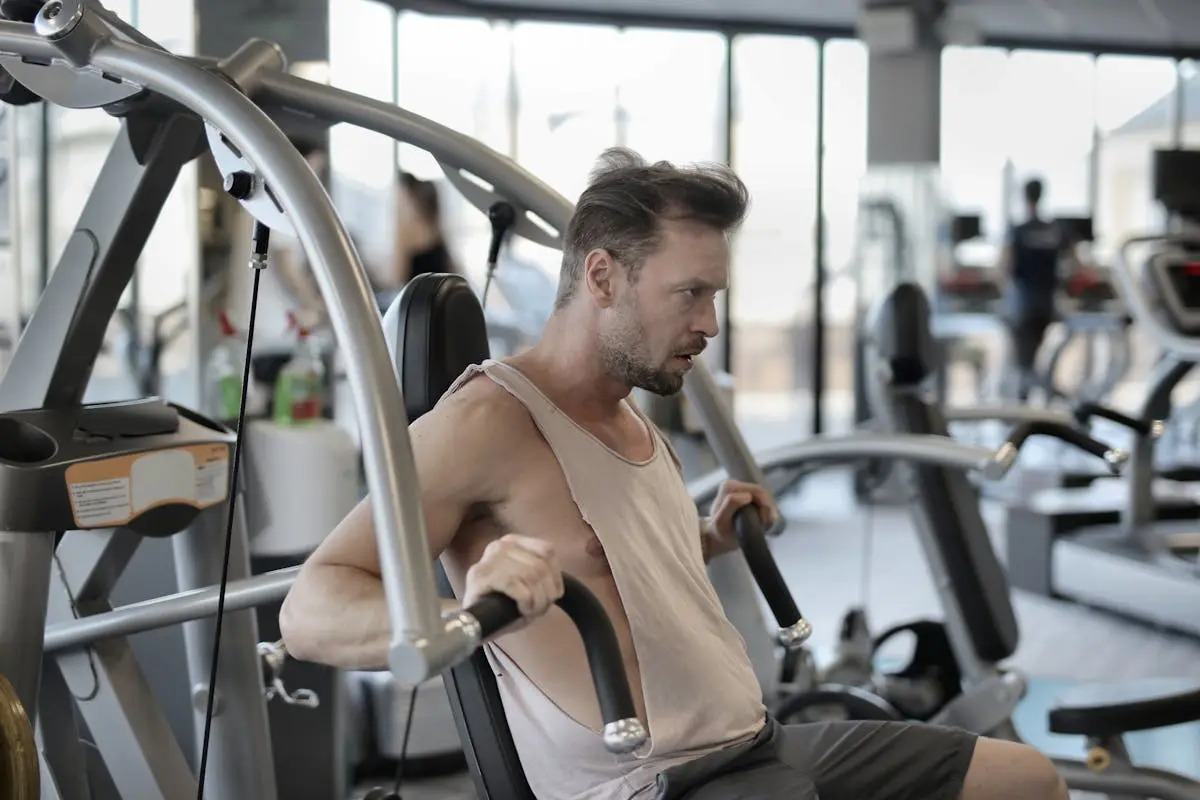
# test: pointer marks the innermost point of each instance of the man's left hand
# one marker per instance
(730, 497)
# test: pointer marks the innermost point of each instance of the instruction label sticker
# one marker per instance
(113, 491)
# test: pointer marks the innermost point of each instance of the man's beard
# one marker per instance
(623, 353)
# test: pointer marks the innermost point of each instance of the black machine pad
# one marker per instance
(951, 503)
(1110, 709)
(435, 329)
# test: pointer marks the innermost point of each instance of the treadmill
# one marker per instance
(1144, 565)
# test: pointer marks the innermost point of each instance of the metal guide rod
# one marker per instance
(422, 643)
(923, 448)
(161, 612)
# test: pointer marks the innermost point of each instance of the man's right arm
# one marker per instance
(336, 612)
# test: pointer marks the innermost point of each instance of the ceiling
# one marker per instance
(1164, 27)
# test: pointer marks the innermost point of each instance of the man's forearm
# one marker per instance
(338, 616)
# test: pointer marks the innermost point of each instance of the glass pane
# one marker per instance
(1135, 114)
(1189, 74)
(974, 139)
(774, 150)
(1049, 128)
(671, 95)
(566, 115)
(845, 164)
(455, 71)
(362, 163)
(567, 105)
(1135, 110)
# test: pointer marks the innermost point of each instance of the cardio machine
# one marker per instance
(1067, 542)
(975, 595)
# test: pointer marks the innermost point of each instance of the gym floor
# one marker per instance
(1061, 643)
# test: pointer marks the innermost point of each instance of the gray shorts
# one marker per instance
(830, 761)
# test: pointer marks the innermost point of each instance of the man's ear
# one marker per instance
(600, 274)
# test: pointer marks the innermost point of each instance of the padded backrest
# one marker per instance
(901, 334)
(951, 505)
(435, 329)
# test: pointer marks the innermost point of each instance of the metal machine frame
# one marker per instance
(1130, 567)
(992, 691)
(83, 56)
(77, 54)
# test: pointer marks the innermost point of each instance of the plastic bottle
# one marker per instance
(301, 383)
(223, 374)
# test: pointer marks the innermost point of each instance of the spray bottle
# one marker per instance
(223, 373)
(301, 383)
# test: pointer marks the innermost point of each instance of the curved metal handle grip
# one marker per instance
(794, 629)
(1084, 412)
(623, 731)
(1021, 433)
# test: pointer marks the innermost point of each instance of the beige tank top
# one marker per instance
(700, 689)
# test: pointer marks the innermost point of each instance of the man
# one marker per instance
(541, 464)
(1029, 267)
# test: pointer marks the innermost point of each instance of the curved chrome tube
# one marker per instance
(422, 645)
(923, 448)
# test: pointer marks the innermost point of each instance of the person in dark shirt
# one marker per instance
(420, 241)
(1028, 270)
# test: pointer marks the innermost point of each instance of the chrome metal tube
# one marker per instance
(422, 644)
(171, 609)
(25, 567)
(448, 146)
(19, 39)
(1008, 414)
(923, 448)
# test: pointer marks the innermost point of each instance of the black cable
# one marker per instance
(412, 703)
(258, 261)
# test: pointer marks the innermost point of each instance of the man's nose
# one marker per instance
(706, 320)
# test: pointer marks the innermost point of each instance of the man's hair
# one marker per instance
(626, 201)
(1033, 191)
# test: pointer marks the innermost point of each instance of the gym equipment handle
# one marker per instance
(623, 731)
(1084, 412)
(794, 629)
(1019, 434)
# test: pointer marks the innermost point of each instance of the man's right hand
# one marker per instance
(521, 567)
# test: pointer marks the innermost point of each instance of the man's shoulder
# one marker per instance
(479, 414)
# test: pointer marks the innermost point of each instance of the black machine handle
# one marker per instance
(1084, 412)
(623, 731)
(794, 629)
(1020, 434)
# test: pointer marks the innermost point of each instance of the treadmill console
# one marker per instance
(1176, 276)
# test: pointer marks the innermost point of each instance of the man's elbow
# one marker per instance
(297, 628)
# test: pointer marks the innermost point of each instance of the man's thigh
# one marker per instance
(879, 760)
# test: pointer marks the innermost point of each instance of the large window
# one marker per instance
(1049, 127)
(455, 71)
(362, 163)
(567, 110)
(845, 164)
(774, 151)
(974, 136)
(671, 95)
(1135, 109)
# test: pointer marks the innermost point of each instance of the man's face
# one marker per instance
(657, 325)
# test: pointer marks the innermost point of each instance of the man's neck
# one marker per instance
(566, 360)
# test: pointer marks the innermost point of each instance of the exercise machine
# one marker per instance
(83, 484)
(1143, 565)
(976, 600)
